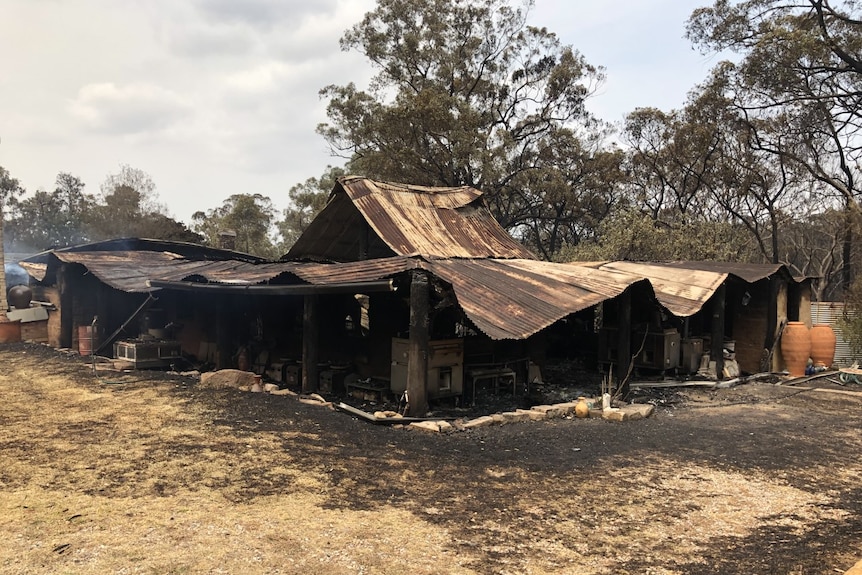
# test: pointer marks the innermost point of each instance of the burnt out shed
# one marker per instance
(416, 287)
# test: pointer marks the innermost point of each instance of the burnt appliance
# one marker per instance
(145, 353)
(445, 367)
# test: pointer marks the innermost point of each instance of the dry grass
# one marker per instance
(146, 477)
(128, 479)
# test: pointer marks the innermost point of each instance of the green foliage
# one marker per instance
(249, 216)
(632, 235)
(129, 207)
(466, 93)
(9, 186)
(795, 85)
(307, 200)
(52, 219)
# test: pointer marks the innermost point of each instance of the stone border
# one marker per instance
(631, 412)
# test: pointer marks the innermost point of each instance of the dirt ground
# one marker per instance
(149, 473)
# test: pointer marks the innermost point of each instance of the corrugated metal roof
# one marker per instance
(409, 220)
(685, 287)
(130, 271)
(513, 299)
(750, 273)
(504, 298)
(682, 291)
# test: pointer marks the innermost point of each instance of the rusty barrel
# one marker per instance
(85, 339)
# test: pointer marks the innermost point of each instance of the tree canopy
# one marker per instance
(248, 217)
(467, 93)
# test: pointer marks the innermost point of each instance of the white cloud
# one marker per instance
(263, 14)
(129, 109)
(231, 87)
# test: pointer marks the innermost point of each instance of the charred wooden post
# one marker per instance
(624, 343)
(67, 320)
(310, 336)
(417, 354)
(773, 320)
(223, 340)
(717, 348)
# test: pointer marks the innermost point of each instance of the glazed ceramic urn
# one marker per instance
(822, 344)
(796, 347)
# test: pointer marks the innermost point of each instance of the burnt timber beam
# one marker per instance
(624, 343)
(717, 346)
(310, 337)
(224, 353)
(418, 343)
(295, 289)
(64, 284)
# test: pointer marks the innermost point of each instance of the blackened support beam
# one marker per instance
(624, 343)
(418, 343)
(310, 336)
(717, 347)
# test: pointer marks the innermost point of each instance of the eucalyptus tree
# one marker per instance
(128, 206)
(465, 93)
(307, 199)
(797, 83)
(52, 219)
(9, 188)
(673, 157)
(250, 216)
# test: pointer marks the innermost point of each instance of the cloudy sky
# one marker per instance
(217, 97)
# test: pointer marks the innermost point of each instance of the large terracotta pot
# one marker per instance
(796, 347)
(822, 344)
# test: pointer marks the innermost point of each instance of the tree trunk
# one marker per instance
(847, 270)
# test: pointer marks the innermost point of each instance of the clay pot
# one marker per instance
(20, 296)
(822, 344)
(582, 409)
(796, 347)
(256, 386)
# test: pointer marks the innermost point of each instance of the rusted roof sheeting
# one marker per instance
(367, 270)
(513, 299)
(685, 287)
(750, 273)
(313, 273)
(123, 270)
(130, 271)
(682, 291)
(431, 222)
(37, 270)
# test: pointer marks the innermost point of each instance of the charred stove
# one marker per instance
(144, 353)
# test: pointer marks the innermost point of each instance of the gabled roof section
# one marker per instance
(388, 219)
